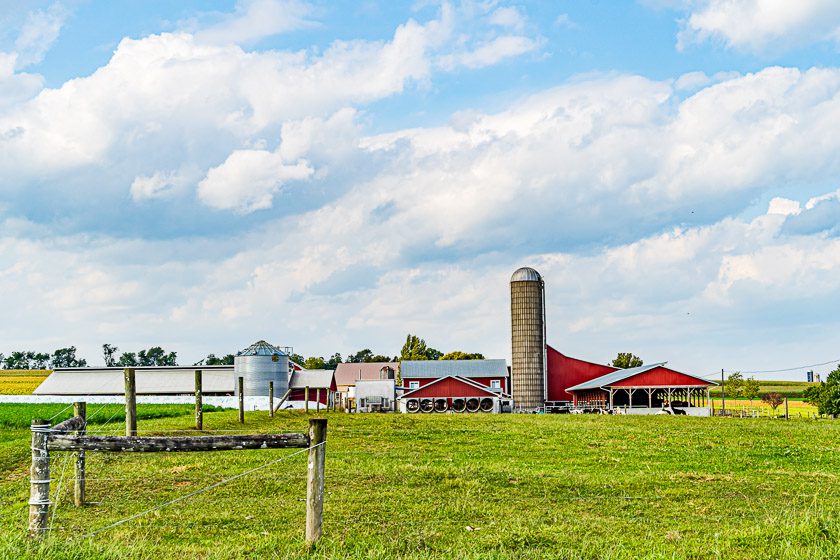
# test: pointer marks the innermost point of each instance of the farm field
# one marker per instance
(21, 381)
(785, 388)
(451, 486)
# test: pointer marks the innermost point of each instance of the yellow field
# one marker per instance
(21, 381)
(795, 407)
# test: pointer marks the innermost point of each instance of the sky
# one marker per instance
(335, 175)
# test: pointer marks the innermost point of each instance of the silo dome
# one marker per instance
(526, 274)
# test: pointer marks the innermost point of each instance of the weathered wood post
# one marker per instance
(130, 403)
(318, 399)
(787, 417)
(271, 399)
(241, 387)
(306, 397)
(80, 410)
(315, 480)
(199, 413)
(39, 480)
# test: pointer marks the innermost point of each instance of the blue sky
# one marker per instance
(333, 175)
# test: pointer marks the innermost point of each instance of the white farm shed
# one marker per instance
(164, 380)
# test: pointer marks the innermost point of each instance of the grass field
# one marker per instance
(784, 388)
(21, 381)
(465, 486)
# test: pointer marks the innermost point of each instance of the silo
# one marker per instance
(257, 365)
(527, 311)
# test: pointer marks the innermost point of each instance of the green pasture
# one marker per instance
(453, 486)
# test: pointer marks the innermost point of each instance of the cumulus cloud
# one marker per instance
(756, 25)
(39, 32)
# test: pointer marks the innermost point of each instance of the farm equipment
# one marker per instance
(459, 405)
(412, 405)
(473, 404)
(427, 405)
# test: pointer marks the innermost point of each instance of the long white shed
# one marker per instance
(164, 380)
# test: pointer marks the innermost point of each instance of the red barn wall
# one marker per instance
(564, 372)
(300, 395)
(661, 377)
(449, 388)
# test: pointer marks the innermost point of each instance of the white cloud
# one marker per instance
(248, 179)
(162, 184)
(508, 16)
(784, 207)
(39, 32)
(489, 53)
(256, 19)
(756, 25)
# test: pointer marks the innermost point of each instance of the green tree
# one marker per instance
(333, 362)
(458, 355)
(415, 349)
(297, 358)
(212, 360)
(626, 360)
(108, 352)
(156, 356)
(127, 359)
(314, 362)
(734, 386)
(40, 360)
(18, 360)
(826, 395)
(750, 389)
(65, 358)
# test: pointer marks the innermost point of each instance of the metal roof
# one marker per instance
(460, 368)
(526, 274)
(164, 380)
(261, 348)
(464, 380)
(614, 377)
(312, 378)
(350, 372)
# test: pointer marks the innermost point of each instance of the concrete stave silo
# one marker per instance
(528, 360)
(257, 365)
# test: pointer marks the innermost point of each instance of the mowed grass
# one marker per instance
(460, 486)
(21, 381)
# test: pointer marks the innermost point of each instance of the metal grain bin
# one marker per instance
(257, 365)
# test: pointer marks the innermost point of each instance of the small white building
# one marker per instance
(375, 395)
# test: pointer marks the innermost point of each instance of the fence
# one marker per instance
(70, 435)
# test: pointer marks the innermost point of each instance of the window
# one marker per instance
(495, 384)
(413, 384)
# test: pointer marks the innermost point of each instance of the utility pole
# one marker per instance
(722, 395)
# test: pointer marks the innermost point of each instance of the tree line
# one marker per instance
(27, 359)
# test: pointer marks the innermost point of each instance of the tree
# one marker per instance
(773, 400)
(18, 360)
(40, 360)
(212, 360)
(314, 362)
(127, 359)
(156, 356)
(333, 362)
(826, 395)
(66, 358)
(626, 360)
(458, 355)
(415, 349)
(734, 386)
(297, 358)
(108, 352)
(362, 356)
(750, 389)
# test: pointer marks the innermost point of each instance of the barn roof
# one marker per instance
(163, 380)
(622, 374)
(348, 373)
(613, 377)
(459, 368)
(312, 378)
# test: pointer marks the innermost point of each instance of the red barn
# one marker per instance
(321, 384)
(490, 373)
(456, 394)
(564, 372)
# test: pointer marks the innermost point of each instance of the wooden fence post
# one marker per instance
(199, 412)
(306, 397)
(315, 480)
(39, 480)
(130, 403)
(786, 409)
(271, 399)
(80, 410)
(241, 388)
(318, 399)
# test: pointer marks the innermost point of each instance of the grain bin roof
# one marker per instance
(526, 274)
(261, 348)
(461, 368)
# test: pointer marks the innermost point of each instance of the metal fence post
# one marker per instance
(199, 412)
